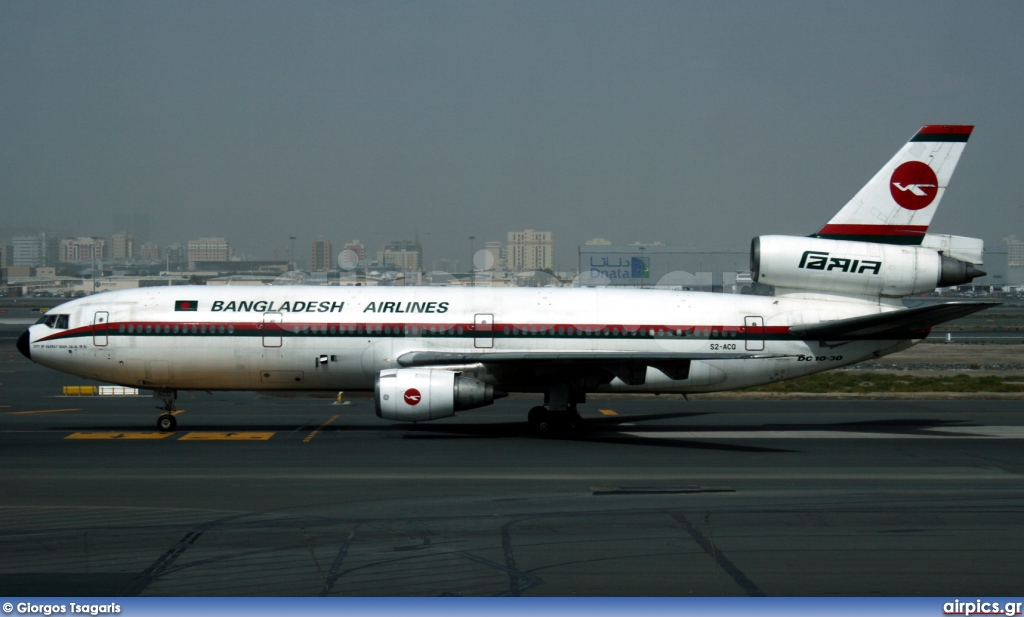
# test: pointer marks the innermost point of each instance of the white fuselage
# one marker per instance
(339, 338)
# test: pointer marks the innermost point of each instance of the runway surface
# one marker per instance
(254, 495)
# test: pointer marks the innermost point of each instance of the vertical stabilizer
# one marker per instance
(897, 205)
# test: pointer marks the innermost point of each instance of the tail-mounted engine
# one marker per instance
(850, 267)
(414, 394)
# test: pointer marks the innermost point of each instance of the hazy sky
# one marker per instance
(687, 123)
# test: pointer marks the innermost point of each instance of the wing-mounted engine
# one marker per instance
(851, 267)
(415, 394)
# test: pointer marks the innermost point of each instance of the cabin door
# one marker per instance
(99, 328)
(754, 328)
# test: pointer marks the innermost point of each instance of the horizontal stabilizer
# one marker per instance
(876, 326)
(971, 250)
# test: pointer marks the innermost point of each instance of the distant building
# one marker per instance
(321, 255)
(18, 272)
(530, 250)
(122, 246)
(150, 251)
(6, 254)
(39, 250)
(669, 267)
(219, 268)
(496, 259)
(445, 265)
(83, 248)
(598, 242)
(357, 247)
(207, 249)
(175, 254)
(401, 255)
(1014, 261)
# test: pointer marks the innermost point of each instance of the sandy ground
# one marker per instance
(952, 354)
(925, 353)
(956, 353)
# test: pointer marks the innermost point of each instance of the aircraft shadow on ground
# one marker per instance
(612, 430)
(623, 429)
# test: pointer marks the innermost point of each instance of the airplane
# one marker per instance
(429, 352)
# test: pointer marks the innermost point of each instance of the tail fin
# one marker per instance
(897, 205)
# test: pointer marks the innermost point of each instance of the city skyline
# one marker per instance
(682, 123)
(280, 251)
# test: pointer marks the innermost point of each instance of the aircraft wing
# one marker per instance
(629, 367)
(436, 358)
(894, 322)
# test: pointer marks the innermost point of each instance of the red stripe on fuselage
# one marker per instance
(403, 328)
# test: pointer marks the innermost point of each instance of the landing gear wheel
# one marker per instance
(571, 421)
(541, 421)
(166, 423)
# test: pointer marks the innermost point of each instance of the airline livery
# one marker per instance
(428, 352)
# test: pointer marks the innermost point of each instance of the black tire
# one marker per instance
(166, 423)
(541, 421)
(571, 421)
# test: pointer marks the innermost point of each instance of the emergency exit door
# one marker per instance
(271, 329)
(483, 330)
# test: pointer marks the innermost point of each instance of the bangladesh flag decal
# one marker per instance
(186, 305)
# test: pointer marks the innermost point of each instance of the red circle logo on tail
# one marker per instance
(412, 396)
(913, 185)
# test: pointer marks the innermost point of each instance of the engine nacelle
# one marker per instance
(415, 394)
(849, 267)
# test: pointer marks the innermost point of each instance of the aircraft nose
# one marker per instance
(23, 345)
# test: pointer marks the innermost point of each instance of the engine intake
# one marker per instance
(861, 268)
(415, 394)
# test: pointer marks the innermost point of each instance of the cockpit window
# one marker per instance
(57, 322)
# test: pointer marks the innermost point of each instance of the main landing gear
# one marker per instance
(166, 422)
(558, 416)
(546, 422)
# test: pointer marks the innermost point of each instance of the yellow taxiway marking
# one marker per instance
(608, 412)
(215, 436)
(320, 428)
(118, 435)
(177, 411)
(20, 413)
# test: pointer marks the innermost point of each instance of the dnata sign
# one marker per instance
(620, 267)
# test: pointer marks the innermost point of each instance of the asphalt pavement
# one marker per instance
(260, 495)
